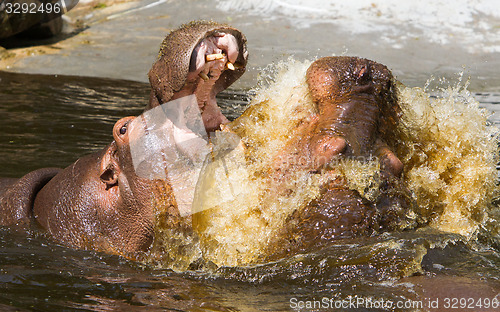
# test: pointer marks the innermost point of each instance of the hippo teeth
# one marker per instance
(204, 76)
(230, 66)
(213, 57)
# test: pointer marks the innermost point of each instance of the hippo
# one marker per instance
(96, 203)
(101, 203)
(357, 116)
(346, 110)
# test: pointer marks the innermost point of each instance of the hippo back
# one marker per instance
(17, 196)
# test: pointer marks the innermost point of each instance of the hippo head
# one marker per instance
(201, 58)
(105, 204)
(357, 102)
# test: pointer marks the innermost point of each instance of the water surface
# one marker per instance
(51, 121)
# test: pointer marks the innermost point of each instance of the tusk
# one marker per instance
(230, 66)
(213, 57)
(203, 76)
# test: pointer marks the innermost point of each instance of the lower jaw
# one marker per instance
(210, 112)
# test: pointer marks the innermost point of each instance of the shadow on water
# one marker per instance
(51, 121)
(24, 41)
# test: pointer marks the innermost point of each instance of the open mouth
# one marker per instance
(201, 59)
(210, 59)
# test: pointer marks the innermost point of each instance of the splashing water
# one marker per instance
(448, 148)
(450, 153)
(236, 231)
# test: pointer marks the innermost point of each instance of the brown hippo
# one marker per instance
(96, 203)
(99, 202)
(286, 191)
(345, 113)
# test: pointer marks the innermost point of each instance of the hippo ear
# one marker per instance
(109, 169)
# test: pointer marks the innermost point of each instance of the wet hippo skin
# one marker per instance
(99, 202)
(96, 203)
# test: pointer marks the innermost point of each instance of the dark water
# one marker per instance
(51, 121)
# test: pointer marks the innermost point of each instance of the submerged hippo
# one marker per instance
(357, 116)
(100, 202)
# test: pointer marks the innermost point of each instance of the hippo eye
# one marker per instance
(123, 130)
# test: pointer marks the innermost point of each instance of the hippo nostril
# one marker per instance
(363, 74)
